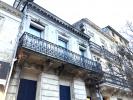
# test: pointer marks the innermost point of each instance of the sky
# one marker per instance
(102, 12)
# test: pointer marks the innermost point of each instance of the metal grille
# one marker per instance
(47, 48)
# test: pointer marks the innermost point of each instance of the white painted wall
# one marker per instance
(8, 34)
(97, 36)
(9, 28)
(53, 30)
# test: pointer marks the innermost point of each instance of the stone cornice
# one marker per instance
(57, 20)
(10, 9)
(112, 29)
(96, 28)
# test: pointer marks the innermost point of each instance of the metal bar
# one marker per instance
(47, 48)
(107, 54)
(113, 79)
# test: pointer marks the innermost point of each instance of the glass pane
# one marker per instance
(82, 52)
(62, 43)
(35, 31)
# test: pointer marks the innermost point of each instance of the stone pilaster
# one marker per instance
(49, 87)
(79, 90)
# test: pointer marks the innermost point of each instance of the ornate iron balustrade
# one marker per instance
(111, 56)
(102, 51)
(113, 79)
(47, 48)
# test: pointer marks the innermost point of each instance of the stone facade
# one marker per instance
(57, 59)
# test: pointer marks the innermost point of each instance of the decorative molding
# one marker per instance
(63, 35)
(96, 27)
(54, 18)
(10, 9)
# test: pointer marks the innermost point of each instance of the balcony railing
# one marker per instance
(113, 79)
(102, 51)
(49, 49)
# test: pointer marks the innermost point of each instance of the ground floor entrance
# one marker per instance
(27, 90)
(65, 92)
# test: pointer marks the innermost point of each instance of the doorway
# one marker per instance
(65, 92)
(27, 90)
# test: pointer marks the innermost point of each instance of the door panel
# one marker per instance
(27, 90)
(65, 92)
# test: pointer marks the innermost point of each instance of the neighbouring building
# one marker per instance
(53, 59)
(58, 61)
(104, 47)
(10, 19)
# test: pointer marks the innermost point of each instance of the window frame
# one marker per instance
(82, 47)
(37, 26)
(63, 40)
(103, 43)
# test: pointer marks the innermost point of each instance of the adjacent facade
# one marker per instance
(10, 19)
(58, 61)
(105, 47)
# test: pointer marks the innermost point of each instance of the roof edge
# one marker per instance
(111, 28)
(56, 19)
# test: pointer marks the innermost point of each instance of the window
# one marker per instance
(103, 43)
(35, 31)
(97, 59)
(120, 39)
(119, 99)
(113, 34)
(110, 66)
(82, 49)
(82, 52)
(62, 42)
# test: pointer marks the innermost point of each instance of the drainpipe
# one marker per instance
(13, 61)
(20, 32)
(8, 79)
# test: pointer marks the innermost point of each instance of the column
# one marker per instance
(79, 91)
(49, 87)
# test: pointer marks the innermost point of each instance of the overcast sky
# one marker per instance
(102, 12)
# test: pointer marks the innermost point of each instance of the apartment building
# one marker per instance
(10, 20)
(53, 60)
(104, 47)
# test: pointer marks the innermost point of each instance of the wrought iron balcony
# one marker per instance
(49, 49)
(95, 48)
(102, 51)
(110, 56)
(115, 80)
